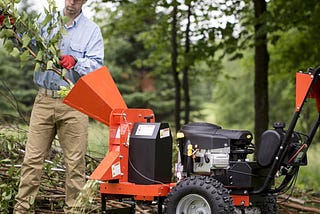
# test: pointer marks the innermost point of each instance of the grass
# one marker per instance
(308, 178)
(98, 139)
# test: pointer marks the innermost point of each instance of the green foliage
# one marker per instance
(25, 51)
(232, 95)
(308, 177)
(9, 181)
(138, 40)
(16, 90)
(133, 52)
(63, 92)
(23, 38)
(293, 34)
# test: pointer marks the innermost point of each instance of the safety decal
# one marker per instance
(164, 132)
(145, 130)
(116, 170)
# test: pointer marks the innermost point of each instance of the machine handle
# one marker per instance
(148, 118)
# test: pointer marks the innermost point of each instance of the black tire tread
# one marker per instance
(218, 196)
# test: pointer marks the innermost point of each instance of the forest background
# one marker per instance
(227, 62)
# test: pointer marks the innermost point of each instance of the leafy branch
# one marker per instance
(22, 36)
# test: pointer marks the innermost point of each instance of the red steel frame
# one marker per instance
(115, 165)
(97, 95)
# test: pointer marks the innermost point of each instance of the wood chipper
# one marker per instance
(213, 173)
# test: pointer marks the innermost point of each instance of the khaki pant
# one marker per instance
(50, 118)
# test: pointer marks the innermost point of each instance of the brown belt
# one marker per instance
(49, 93)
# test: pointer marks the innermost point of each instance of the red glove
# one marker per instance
(2, 18)
(67, 61)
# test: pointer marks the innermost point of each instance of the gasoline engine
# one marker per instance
(207, 149)
(210, 150)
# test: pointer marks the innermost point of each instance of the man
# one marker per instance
(82, 52)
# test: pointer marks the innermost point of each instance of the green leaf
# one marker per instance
(64, 91)
(65, 19)
(7, 160)
(52, 50)
(24, 17)
(2, 33)
(40, 44)
(47, 19)
(5, 33)
(39, 56)
(55, 60)
(25, 40)
(55, 38)
(9, 33)
(8, 45)
(37, 66)
(7, 23)
(24, 56)
(63, 72)
(49, 64)
(15, 52)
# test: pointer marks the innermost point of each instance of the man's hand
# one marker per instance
(3, 17)
(67, 61)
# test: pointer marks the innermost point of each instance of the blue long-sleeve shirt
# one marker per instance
(85, 43)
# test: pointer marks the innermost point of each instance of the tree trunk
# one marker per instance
(186, 70)
(261, 60)
(174, 59)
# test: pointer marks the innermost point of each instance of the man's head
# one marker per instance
(73, 8)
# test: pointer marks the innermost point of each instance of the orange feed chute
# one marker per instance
(96, 95)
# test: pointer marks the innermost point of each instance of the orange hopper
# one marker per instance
(96, 95)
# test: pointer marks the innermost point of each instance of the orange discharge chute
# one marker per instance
(306, 88)
(96, 95)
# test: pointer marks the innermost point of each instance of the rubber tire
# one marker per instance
(208, 188)
(269, 205)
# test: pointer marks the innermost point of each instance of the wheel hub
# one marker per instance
(193, 204)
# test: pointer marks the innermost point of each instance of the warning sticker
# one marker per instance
(118, 133)
(164, 132)
(146, 130)
(116, 170)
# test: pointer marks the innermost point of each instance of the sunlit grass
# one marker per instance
(98, 139)
(309, 176)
